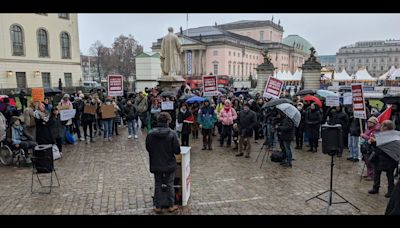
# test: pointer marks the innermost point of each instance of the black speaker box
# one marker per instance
(332, 140)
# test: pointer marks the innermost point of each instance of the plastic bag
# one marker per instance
(70, 137)
(56, 152)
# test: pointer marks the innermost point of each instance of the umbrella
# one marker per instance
(291, 112)
(168, 94)
(237, 93)
(314, 99)
(194, 100)
(326, 93)
(223, 90)
(276, 102)
(52, 91)
(391, 99)
(305, 92)
(98, 88)
(389, 142)
(12, 100)
(186, 96)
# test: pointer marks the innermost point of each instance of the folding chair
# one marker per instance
(43, 163)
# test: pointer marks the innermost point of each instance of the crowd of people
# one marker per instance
(231, 118)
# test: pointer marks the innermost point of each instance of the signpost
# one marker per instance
(210, 86)
(273, 88)
(115, 85)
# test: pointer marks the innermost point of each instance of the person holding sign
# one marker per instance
(88, 117)
(107, 113)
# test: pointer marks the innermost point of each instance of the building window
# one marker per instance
(215, 53)
(229, 53)
(65, 46)
(395, 59)
(17, 39)
(215, 68)
(63, 15)
(359, 61)
(46, 80)
(382, 60)
(257, 57)
(381, 67)
(234, 68)
(374, 67)
(340, 60)
(270, 35)
(21, 79)
(261, 35)
(229, 68)
(390, 59)
(43, 43)
(374, 60)
(68, 79)
(345, 61)
(234, 53)
(367, 60)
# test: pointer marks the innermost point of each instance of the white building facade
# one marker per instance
(36, 50)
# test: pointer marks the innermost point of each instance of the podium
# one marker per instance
(182, 177)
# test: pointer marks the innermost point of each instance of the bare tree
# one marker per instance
(98, 51)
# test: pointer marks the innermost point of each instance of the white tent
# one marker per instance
(297, 75)
(363, 75)
(342, 76)
(390, 75)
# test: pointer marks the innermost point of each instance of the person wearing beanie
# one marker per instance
(227, 116)
(373, 127)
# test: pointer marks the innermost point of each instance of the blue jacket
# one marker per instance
(17, 134)
(207, 117)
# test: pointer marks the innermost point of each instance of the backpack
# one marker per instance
(277, 156)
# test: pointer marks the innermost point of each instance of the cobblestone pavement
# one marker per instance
(113, 178)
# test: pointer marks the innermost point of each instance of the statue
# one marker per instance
(312, 54)
(267, 59)
(171, 50)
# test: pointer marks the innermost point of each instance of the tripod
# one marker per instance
(332, 191)
(265, 153)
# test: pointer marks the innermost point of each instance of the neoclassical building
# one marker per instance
(375, 56)
(235, 49)
(36, 50)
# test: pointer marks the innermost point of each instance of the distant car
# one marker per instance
(89, 85)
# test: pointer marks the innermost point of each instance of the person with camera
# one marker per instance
(382, 162)
(162, 145)
(247, 120)
(285, 129)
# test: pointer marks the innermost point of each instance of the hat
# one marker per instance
(66, 96)
(373, 119)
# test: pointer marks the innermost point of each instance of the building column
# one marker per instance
(200, 62)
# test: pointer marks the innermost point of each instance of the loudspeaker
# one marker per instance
(332, 140)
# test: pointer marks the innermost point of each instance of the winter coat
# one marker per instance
(393, 207)
(186, 127)
(162, 145)
(29, 118)
(312, 121)
(339, 117)
(56, 128)
(19, 134)
(286, 129)
(130, 112)
(367, 134)
(355, 129)
(141, 104)
(227, 116)
(195, 113)
(247, 121)
(86, 117)
(43, 134)
(207, 117)
(78, 106)
(382, 161)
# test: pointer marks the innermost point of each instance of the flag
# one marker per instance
(385, 115)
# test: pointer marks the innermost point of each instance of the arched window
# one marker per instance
(17, 39)
(229, 68)
(43, 43)
(65, 46)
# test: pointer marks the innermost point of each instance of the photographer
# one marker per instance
(247, 120)
(285, 129)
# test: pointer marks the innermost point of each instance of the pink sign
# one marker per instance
(115, 85)
(210, 86)
(358, 101)
(273, 88)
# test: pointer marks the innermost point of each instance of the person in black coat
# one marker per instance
(23, 100)
(131, 114)
(300, 129)
(184, 119)
(313, 120)
(382, 162)
(246, 119)
(56, 128)
(88, 119)
(285, 130)
(256, 108)
(43, 134)
(393, 206)
(162, 145)
(354, 134)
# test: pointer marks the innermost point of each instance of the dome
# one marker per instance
(298, 42)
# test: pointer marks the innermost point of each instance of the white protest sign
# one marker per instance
(67, 114)
(347, 99)
(332, 101)
(167, 105)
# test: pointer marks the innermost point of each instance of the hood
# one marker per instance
(161, 131)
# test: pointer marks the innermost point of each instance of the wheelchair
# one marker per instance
(10, 154)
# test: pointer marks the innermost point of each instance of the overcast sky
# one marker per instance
(326, 32)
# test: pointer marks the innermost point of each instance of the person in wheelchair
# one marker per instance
(20, 138)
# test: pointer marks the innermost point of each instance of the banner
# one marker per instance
(167, 105)
(67, 114)
(115, 85)
(332, 101)
(273, 88)
(358, 101)
(210, 87)
(37, 94)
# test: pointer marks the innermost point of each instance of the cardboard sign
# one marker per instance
(332, 101)
(210, 86)
(273, 88)
(107, 111)
(358, 101)
(37, 94)
(167, 105)
(67, 114)
(115, 85)
(89, 109)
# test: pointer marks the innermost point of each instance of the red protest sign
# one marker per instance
(115, 85)
(358, 101)
(210, 86)
(273, 88)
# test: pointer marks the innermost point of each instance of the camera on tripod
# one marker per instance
(332, 140)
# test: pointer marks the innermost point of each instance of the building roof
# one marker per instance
(149, 54)
(250, 24)
(298, 42)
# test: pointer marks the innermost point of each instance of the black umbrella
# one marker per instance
(276, 102)
(168, 94)
(51, 91)
(223, 90)
(305, 92)
(392, 99)
(184, 97)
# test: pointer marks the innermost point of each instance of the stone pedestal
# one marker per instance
(311, 74)
(264, 71)
(169, 83)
